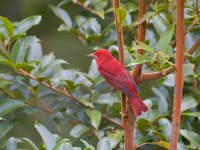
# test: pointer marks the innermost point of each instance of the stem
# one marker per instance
(65, 93)
(128, 120)
(121, 54)
(179, 75)
(88, 8)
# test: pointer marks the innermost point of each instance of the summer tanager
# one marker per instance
(117, 76)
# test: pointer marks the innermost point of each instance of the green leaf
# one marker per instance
(95, 117)
(26, 24)
(34, 52)
(140, 60)
(6, 106)
(87, 145)
(162, 102)
(78, 130)
(188, 103)
(144, 47)
(4, 82)
(192, 114)
(165, 39)
(34, 147)
(62, 144)
(21, 46)
(104, 144)
(12, 143)
(159, 143)
(19, 50)
(9, 26)
(192, 137)
(63, 15)
(142, 124)
(115, 137)
(47, 136)
(25, 66)
(121, 15)
(188, 69)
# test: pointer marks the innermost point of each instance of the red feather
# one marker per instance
(116, 74)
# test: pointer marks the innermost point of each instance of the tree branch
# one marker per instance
(155, 75)
(121, 54)
(179, 75)
(88, 8)
(65, 93)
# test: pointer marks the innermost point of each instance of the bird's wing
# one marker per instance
(121, 80)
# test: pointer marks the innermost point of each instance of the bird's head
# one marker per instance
(101, 56)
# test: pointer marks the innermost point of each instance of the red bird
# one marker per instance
(116, 75)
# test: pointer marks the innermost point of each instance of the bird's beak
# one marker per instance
(90, 55)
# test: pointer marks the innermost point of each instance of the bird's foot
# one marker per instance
(111, 92)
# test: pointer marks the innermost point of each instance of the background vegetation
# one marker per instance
(52, 103)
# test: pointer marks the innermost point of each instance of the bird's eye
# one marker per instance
(98, 56)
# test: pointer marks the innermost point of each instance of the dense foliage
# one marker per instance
(32, 82)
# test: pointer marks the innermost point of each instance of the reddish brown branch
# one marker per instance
(121, 53)
(88, 8)
(179, 75)
(155, 75)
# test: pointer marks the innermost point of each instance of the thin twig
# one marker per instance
(179, 75)
(65, 93)
(88, 9)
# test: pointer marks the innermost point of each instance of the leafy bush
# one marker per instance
(32, 82)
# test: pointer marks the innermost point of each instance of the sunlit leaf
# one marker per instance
(12, 143)
(46, 135)
(104, 144)
(8, 25)
(121, 15)
(95, 117)
(188, 69)
(188, 103)
(26, 24)
(162, 102)
(115, 137)
(165, 39)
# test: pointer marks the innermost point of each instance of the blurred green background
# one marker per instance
(63, 44)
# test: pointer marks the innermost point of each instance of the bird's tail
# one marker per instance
(138, 105)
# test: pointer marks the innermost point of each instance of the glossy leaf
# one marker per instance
(6, 106)
(12, 143)
(188, 69)
(104, 144)
(63, 15)
(95, 117)
(46, 135)
(26, 24)
(188, 103)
